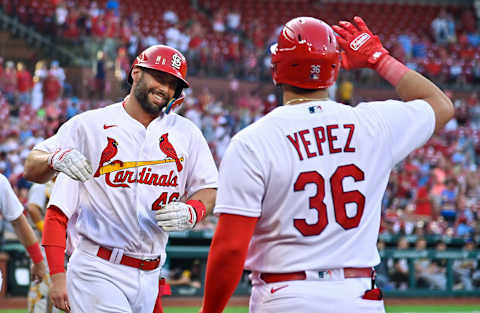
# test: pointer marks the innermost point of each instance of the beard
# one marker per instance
(141, 93)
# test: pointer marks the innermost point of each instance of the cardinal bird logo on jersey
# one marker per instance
(107, 154)
(169, 150)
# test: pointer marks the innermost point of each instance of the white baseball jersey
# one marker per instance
(39, 194)
(314, 174)
(10, 206)
(134, 175)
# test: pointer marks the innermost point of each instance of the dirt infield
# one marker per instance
(20, 302)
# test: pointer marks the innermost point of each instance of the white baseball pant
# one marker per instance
(95, 285)
(330, 293)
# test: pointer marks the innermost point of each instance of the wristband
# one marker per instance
(199, 208)
(51, 156)
(35, 253)
(391, 69)
(39, 225)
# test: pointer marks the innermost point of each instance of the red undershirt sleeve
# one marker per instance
(226, 258)
(54, 239)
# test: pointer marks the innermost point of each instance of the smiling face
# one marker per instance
(153, 89)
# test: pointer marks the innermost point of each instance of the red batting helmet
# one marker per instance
(165, 59)
(306, 54)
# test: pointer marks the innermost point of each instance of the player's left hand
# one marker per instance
(38, 271)
(176, 216)
(58, 292)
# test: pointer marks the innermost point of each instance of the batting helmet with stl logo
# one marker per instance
(165, 59)
(306, 54)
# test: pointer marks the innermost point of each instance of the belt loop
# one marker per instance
(313, 275)
(116, 255)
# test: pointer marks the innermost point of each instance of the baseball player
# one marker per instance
(12, 211)
(144, 159)
(303, 211)
(38, 195)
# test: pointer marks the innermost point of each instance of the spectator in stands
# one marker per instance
(170, 17)
(405, 40)
(8, 82)
(51, 89)
(40, 74)
(421, 263)
(436, 270)
(100, 76)
(423, 202)
(177, 39)
(61, 14)
(464, 268)
(399, 267)
(443, 28)
(24, 85)
(420, 45)
(233, 20)
(449, 194)
(219, 21)
(114, 6)
(187, 277)
(381, 270)
(122, 67)
(59, 73)
(463, 227)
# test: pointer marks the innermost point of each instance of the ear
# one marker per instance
(136, 73)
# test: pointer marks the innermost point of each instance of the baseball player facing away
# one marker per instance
(144, 161)
(12, 210)
(303, 211)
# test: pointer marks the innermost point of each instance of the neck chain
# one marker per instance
(303, 100)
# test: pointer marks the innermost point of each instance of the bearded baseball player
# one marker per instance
(131, 203)
(303, 211)
(12, 210)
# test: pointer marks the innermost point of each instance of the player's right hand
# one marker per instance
(58, 292)
(72, 163)
(176, 216)
(360, 47)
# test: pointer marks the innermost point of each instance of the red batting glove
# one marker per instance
(360, 47)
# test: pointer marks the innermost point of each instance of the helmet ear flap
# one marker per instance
(174, 103)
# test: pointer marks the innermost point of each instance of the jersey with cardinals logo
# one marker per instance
(137, 170)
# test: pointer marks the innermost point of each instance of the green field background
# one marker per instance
(390, 309)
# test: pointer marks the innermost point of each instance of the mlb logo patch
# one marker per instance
(315, 108)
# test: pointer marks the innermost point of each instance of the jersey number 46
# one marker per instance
(339, 196)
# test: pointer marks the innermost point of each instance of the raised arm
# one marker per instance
(362, 49)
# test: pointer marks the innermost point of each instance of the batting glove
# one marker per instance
(72, 163)
(360, 47)
(179, 216)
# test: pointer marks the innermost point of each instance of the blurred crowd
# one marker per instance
(435, 191)
(233, 40)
